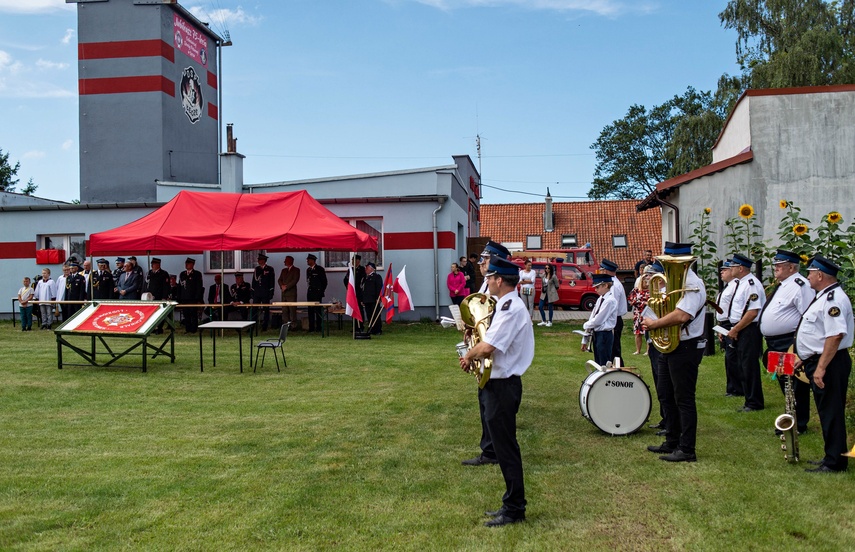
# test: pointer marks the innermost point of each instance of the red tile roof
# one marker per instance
(591, 221)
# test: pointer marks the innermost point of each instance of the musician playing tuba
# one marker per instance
(510, 341)
(678, 368)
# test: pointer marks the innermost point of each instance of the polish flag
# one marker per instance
(352, 307)
(387, 297)
(405, 299)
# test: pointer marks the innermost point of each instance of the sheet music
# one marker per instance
(455, 313)
(720, 329)
(648, 313)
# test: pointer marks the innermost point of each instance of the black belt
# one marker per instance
(782, 336)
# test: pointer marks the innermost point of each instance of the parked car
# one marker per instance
(575, 284)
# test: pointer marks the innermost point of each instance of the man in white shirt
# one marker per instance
(610, 268)
(732, 372)
(601, 324)
(748, 299)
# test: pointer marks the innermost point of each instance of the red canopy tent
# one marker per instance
(198, 221)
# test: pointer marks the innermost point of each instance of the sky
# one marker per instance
(320, 88)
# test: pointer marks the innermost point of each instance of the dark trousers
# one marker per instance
(831, 406)
(501, 403)
(316, 322)
(654, 354)
(749, 347)
(732, 371)
(603, 347)
(191, 319)
(801, 390)
(262, 315)
(616, 350)
(486, 443)
(678, 378)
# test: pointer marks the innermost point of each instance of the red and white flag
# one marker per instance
(352, 307)
(405, 298)
(388, 298)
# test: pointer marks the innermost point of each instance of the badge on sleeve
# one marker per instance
(834, 311)
(753, 297)
(800, 282)
(507, 305)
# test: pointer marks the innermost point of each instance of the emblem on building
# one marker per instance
(191, 95)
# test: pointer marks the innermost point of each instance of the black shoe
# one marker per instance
(815, 462)
(661, 433)
(731, 395)
(822, 468)
(479, 461)
(502, 519)
(496, 513)
(660, 449)
(749, 409)
(802, 430)
(679, 456)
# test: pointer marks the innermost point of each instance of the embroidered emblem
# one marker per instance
(834, 311)
(800, 282)
(753, 297)
(507, 305)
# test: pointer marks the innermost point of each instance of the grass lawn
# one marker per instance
(357, 445)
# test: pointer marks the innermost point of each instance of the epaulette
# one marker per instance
(750, 282)
(507, 305)
(830, 296)
(800, 282)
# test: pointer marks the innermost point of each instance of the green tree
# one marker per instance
(783, 43)
(8, 173)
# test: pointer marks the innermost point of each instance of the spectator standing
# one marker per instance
(527, 279)
(468, 270)
(60, 291)
(45, 291)
(638, 299)
(643, 263)
(25, 295)
(548, 294)
(288, 279)
(456, 282)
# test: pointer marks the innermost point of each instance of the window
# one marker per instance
(341, 259)
(232, 261)
(568, 240)
(72, 244)
(533, 242)
(619, 240)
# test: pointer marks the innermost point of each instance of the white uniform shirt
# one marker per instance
(725, 298)
(60, 288)
(483, 288)
(604, 316)
(620, 296)
(782, 313)
(45, 291)
(749, 295)
(530, 275)
(692, 303)
(829, 315)
(510, 332)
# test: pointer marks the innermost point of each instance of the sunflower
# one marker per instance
(834, 217)
(707, 210)
(784, 203)
(804, 259)
(800, 229)
(746, 211)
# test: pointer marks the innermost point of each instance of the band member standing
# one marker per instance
(192, 290)
(733, 373)
(488, 454)
(678, 370)
(822, 343)
(603, 319)
(748, 299)
(781, 316)
(610, 268)
(316, 282)
(510, 341)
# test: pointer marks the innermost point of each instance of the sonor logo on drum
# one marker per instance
(626, 384)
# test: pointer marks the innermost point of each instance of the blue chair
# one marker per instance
(273, 344)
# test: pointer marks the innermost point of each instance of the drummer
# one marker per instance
(603, 319)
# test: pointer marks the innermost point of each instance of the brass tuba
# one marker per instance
(476, 310)
(663, 301)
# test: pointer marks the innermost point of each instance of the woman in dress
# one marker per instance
(548, 294)
(638, 299)
(456, 283)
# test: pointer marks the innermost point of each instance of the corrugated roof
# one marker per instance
(592, 221)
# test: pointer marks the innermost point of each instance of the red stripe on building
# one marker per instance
(417, 240)
(126, 49)
(124, 85)
(212, 111)
(18, 250)
(212, 80)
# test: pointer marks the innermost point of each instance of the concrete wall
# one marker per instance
(736, 135)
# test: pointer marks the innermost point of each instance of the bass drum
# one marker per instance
(618, 402)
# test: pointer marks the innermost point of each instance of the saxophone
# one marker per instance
(786, 424)
(477, 313)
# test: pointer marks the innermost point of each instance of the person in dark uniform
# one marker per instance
(748, 298)
(192, 290)
(316, 282)
(102, 281)
(678, 370)
(120, 267)
(733, 373)
(241, 293)
(372, 288)
(263, 282)
(136, 267)
(610, 268)
(218, 294)
(289, 277)
(75, 288)
(130, 283)
(779, 319)
(86, 272)
(488, 453)
(510, 342)
(157, 281)
(359, 279)
(822, 343)
(173, 290)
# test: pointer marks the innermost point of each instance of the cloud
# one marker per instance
(67, 144)
(34, 6)
(16, 79)
(50, 65)
(69, 34)
(610, 8)
(34, 154)
(224, 17)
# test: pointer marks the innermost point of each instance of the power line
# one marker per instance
(531, 193)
